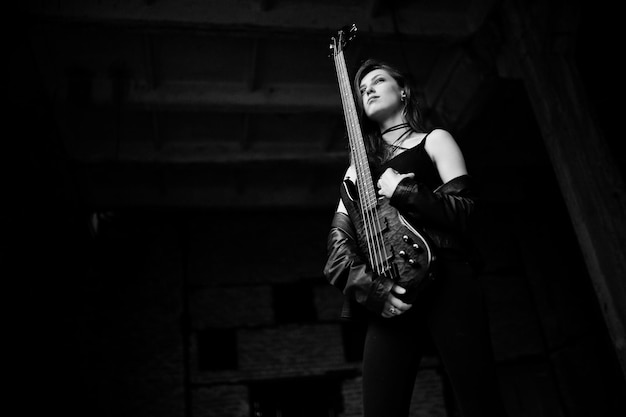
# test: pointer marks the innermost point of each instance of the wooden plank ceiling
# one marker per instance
(226, 104)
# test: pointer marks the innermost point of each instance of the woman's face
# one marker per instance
(381, 95)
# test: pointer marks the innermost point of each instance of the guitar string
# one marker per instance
(370, 213)
(371, 209)
(357, 161)
(374, 217)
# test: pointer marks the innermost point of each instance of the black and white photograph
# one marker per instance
(314, 208)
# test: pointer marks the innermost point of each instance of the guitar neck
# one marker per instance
(367, 193)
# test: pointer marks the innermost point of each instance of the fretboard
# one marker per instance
(367, 193)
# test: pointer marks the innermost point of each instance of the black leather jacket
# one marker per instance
(446, 213)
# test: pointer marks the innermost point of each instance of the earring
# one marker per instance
(402, 96)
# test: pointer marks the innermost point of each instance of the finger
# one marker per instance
(398, 289)
(411, 175)
(398, 304)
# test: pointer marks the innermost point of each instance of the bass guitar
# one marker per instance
(393, 246)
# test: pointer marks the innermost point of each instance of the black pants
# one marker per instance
(452, 314)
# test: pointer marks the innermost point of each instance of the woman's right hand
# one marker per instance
(393, 305)
(389, 180)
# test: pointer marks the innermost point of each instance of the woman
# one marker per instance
(424, 176)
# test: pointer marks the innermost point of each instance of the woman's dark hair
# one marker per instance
(374, 143)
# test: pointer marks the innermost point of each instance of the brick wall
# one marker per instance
(217, 315)
(234, 286)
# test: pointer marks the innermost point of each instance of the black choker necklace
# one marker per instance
(397, 144)
(396, 127)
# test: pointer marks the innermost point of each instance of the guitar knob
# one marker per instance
(417, 248)
(414, 263)
(407, 239)
(402, 254)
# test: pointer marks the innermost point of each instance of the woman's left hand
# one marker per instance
(393, 305)
(390, 179)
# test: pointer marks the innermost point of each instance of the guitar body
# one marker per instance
(408, 259)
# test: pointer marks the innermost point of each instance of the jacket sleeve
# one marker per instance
(450, 206)
(346, 269)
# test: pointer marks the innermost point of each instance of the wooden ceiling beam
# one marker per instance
(252, 80)
(212, 96)
(448, 19)
(246, 135)
(152, 183)
(209, 157)
(265, 5)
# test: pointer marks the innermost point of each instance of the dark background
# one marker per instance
(172, 172)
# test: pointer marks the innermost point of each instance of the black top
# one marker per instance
(414, 160)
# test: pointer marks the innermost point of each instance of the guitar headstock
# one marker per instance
(344, 35)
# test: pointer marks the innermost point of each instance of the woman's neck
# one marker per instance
(396, 134)
(391, 121)
(392, 129)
